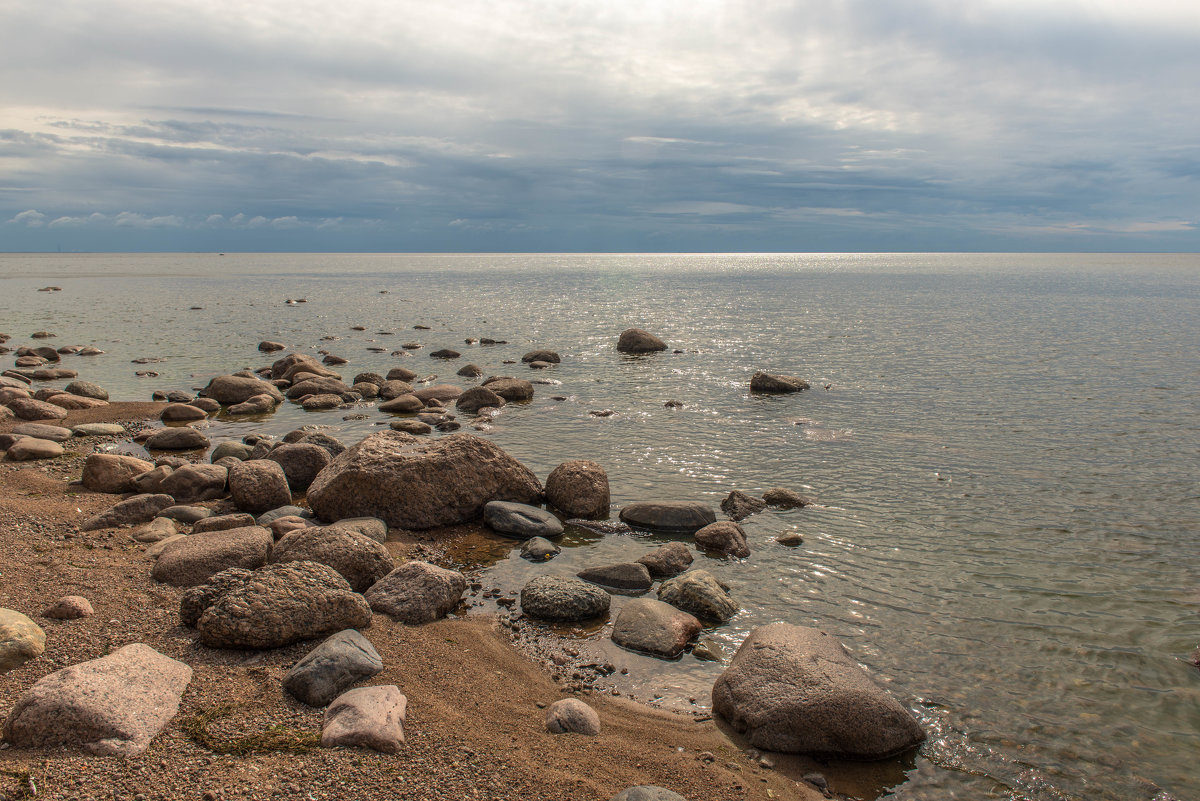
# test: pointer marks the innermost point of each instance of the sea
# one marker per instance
(1003, 451)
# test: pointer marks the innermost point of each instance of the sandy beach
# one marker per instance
(475, 703)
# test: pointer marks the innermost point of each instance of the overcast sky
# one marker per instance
(540, 125)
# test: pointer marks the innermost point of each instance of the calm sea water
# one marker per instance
(1005, 456)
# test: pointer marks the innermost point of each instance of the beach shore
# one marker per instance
(474, 728)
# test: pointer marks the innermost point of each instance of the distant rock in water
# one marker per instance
(776, 384)
(635, 340)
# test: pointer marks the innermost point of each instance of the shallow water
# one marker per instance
(1004, 459)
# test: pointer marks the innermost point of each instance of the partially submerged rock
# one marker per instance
(667, 560)
(636, 340)
(699, 593)
(579, 488)
(724, 537)
(776, 384)
(563, 599)
(669, 515)
(655, 628)
(521, 520)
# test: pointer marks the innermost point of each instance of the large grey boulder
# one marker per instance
(230, 389)
(417, 592)
(361, 560)
(562, 599)
(417, 483)
(579, 488)
(776, 384)
(273, 606)
(331, 668)
(521, 520)
(698, 592)
(301, 461)
(191, 483)
(138, 509)
(635, 340)
(655, 628)
(196, 559)
(669, 515)
(113, 473)
(20, 640)
(258, 485)
(113, 705)
(366, 717)
(795, 689)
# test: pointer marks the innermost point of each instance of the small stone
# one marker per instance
(69, 607)
(790, 538)
(574, 716)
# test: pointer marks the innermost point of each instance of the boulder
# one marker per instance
(20, 640)
(194, 560)
(267, 346)
(360, 560)
(579, 488)
(182, 438)
(317, 386)
(470, 371)
(30, 409)
(274, 606)
(287, 367)
(43, 431)
(231, 389)
(113, 473)
(655, 628)
(151, 481)
(445, 353)
(402, 404)
(138, 509)
(392, 388)
(521, 520)
(320, 402)
(114, 705)
(514, 390)
(98, 430)
(258, 485)
(572, 715)
(785, 498)
(400, 374)
(255, 404)
(647, 792)
(157, 530)
(563, 599)
(186, 514)
(477, 398)
(738, 505)
(414, 427)
(69, 607)
(366, 717)
(69, 402)
(417, 592)
(699, 593)
(331, 668)
(795, 689)
(415, 484)
(224, 522)
(330, 444)
(669, 515)
(206, 405)
(238, 450)
(539, 549)
(541, 356)
(635, 340)
(440, 392)
(282, 526)
(301, 461)
(27, 449)
(724, 537)
(776, 384)
(627, 576)
(195, 482)
(667, 560)
(181, 413)
(371, 527)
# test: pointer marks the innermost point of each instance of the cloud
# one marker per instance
(30, 218)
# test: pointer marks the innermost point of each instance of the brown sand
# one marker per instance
(474, 730)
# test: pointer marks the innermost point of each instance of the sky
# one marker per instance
(548, 125)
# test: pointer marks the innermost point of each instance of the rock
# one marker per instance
(194, 560)
(441, 392)
(319, 402)
(181, 413)
(274, 606)
(335, 360)
(738, 505)
(282, 526)
(317, 386)
(785, 498)
(157, 530)
(669, 515)
(255, 404)
(795, 689)
(699, 593)
(30, 448)
(417, 592)
(360, 560)
(330, 444)
(114, 705)
(366, 390)
(266, 518)
(371, 527)
(301, 462)
(414, 427)
(627, 576)
(151, 481)
(707, 649)
(258, 485)
(393, 388)
(541, 356)
(402, 404)
(224, 522)
(267, 346)
(520, 520)
(445, 353)
(238, 450)
(20, 640)
(183, 438)
(112, 473)
(30, 409)
(539, 549)
(477, 398)
(43, 431)
(195, 482)
(138, 509)
(400, 374)
(416, 484)
(776, 384)
(470, 371)
(69, 607)
(231, 389)
(514, 390)
(366, 717)
(655, 628)
(287, 367)
(563, 599)
(570, 715)
(186, 514)
(724, 537)
(74, 402)
(667, 560)
(332, 667)
(635, 340)
(647, 792)
(98, 430)
(790, 538)
(579, 488)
